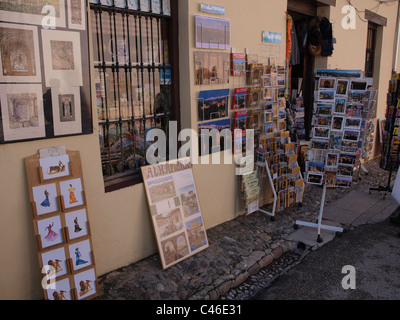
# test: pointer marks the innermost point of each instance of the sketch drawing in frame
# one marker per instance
(19, 54)
(22, 111)
(62, 56)
(38, 12)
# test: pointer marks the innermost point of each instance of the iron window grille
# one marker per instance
(135, 57)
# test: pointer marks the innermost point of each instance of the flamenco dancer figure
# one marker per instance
(77, 227)
(46, 201)
(51, 235)
(78, 255)
(72, 198)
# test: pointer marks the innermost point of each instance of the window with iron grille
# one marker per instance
(135, 60)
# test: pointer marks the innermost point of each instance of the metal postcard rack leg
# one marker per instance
(260, 167)
(319, 225)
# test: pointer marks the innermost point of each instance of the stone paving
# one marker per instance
(247, 253)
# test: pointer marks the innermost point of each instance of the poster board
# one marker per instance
(61, 225)
(175, 210)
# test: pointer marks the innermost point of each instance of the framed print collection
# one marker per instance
(61, 224)
(44, 92)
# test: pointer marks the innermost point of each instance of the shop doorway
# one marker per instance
(302, 74)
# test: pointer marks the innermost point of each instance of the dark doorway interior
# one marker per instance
(302, 75)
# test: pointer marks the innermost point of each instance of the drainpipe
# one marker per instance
(397, 39)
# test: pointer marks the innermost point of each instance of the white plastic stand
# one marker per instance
(319, 225)
(260, 167)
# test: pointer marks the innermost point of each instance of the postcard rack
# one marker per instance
(61, 225)
(390, 133)
(343, 100)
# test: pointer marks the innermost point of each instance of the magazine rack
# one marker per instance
(61, 225)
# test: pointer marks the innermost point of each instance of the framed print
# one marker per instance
(50, 231)
(342, 86)
(340, 106)
(77, 14)
(36, 12)
(80, 254)
(77, 224)
(316, 178)
(327, 83)
(337, 123)
(55, 258)
(19, 54)
(212, 33)
(86, 284)
(45, 198)
(72, 193)
(54, 167)
(352, 123)
(175, 210)
(22, 111)
(62, 56)
(60, 291)
(67, 115)
(326, 95)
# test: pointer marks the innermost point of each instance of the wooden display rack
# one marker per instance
(62, 228)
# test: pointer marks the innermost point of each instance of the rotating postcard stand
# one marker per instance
(319, 226)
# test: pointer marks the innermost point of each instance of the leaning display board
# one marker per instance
(44, 63)
(61, 224)
(175, 210)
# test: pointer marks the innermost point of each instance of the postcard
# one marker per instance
(55, 258)
(239, 98)
(327, 83)
(323, 108)
(344, 181)
(326, 95)
(238, 64)
(54, 167)
(315, 178)
(80, 254)
(211, 67)
(347, 159)
(342, 86)
(213, 104)
(358, 85)
(72, 192)
(50, 231)
(60, 291)
(77, 224)
(337, 123)
(352, 123)
(354, 110)
(332, 160)
(340, 106)
(85, 283)
(351, 135)
(321, 132)
(212, 33)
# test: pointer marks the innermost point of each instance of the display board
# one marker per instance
(61, 225)
(44, 80)
(175, 211)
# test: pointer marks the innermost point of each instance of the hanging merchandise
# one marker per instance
(314, 38)
(292, 46)
(327, 37)
(390, 147)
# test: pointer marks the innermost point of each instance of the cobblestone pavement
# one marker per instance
(245, 255)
